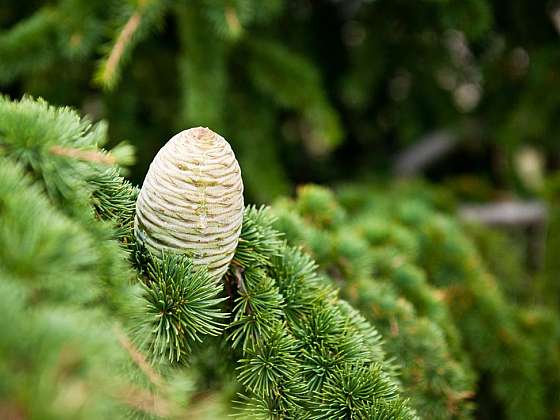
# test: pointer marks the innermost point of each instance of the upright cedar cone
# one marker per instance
(192, 200)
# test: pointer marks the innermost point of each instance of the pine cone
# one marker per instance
(192, 200)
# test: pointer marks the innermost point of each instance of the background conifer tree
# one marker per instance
(360, 77)
(379, 288)
(397, 253)
(292, 347)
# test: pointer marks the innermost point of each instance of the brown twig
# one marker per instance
(454, 398)
(138, 357)
(394, 326)
(118, 49)
(237, 271)
(80, 154)
(232, 19)
(145, 401)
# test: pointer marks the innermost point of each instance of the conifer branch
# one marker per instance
(179, 306)
(108, 74)
(137, 25)
(232, 19)
(297, 337)
(28, 46)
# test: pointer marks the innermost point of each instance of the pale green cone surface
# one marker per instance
(192, 200)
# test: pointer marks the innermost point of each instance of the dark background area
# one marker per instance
(320, 91)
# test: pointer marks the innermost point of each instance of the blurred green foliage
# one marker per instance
(465, 335)
(304, 90)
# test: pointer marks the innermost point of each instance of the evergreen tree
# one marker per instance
(365, 77)
(297, 350)
(367, 258)
(399, 240)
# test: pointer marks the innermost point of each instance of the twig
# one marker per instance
(145, 401)
(232, 19)
(507, 213)
(118, 49)
(138, 357)
(87, 155)
(237, 271)
(427, 150)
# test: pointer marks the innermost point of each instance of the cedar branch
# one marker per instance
(117, 52)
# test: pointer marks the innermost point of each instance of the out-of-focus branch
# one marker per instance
(531, 216)
(424, 152)
(554, 13)
(134, 29)
(507, 213)
(114, 59)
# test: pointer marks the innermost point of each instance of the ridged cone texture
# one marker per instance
(192, 200)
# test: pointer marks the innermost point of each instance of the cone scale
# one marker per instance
(192, 200)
